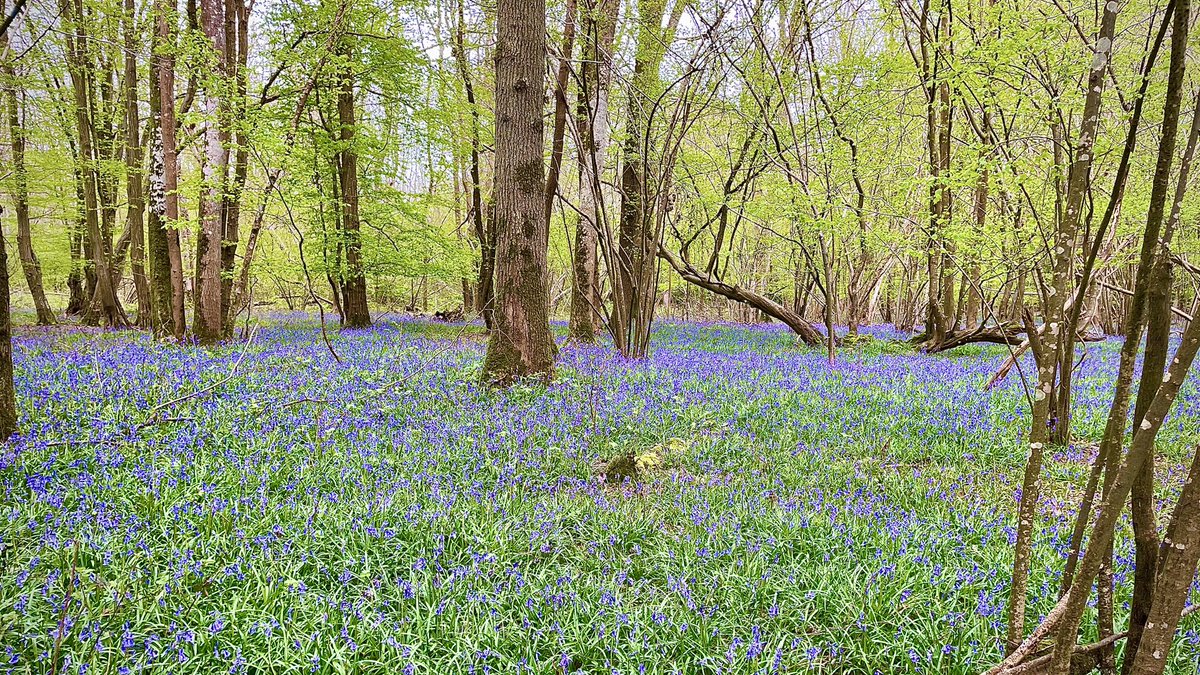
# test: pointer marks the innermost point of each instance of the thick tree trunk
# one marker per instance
(355, 313)
(208, 323)
(16, 134)
(521, 344)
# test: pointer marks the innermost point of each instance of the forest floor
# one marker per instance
(265, 508)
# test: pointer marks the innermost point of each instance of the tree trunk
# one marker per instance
(135, 200)
(208, 323)
(1154, 360)
(237, 20)
(164, 68)
(104, 307)
(521, 344)
(1122, 484)
(355, 314)
(484, 227)
(8, 396)
(1047, 347)
(16, 135)
(599, 18)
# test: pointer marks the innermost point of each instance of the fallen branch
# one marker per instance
(155, 415)
(690, 274)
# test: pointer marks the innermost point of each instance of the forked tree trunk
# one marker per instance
(104, 307)
(1120, 484)
(1159, 318)
(521, 344)
(1046, 347)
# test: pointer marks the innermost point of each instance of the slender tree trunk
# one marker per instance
(16, 134)
(237, 20)
(135, 200)
(521, 344)
(8, 396)
(1177, 569)
(559, 131)
(165, 71)
(1122, 484)
(1154, 361)
(107, 309)
(1046, 348)
(599, 19)
(484, 229)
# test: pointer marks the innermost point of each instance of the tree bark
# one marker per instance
(793, 319)
(599, 19)
(164, 68)
(1115, 428)
(355, 313)
(1046, 347)
(30, 264)
(237, 21)
(484, 230)
(8, 396)
(135, 200)
(521, 344)
(104, 306)
(1154, 360)
(208, 324)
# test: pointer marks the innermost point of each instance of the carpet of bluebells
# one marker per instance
(266, 508)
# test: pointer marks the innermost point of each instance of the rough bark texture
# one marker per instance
(208, 324)
(355, 313)
(30, 264)
(520, 344)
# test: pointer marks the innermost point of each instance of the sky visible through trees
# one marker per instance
(557, 336)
